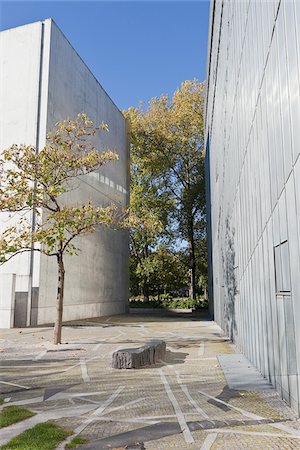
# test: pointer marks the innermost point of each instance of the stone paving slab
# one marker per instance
(241, 375)
(183, 402)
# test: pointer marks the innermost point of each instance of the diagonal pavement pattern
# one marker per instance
(204, 395)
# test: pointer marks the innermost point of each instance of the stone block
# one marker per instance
(134, 358)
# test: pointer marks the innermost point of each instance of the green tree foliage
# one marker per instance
(149, 208)
(163, 270)
(37, 181)
(167, 141)
(202, 265)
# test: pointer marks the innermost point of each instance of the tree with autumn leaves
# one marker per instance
(167, 151)
(36, 182)
(167, 191)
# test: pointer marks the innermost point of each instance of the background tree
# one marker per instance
(164, 270)
(169, 138)
(169, 274)
(202, 265)
(37, 181)
(150, 207)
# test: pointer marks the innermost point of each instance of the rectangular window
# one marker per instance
(282, 267)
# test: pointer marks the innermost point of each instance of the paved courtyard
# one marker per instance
(185, 402)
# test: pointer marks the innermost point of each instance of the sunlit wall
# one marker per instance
(252, 151)
(43, 81)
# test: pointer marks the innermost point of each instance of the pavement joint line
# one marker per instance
(95, 414)
(78, 364)
(142, 333)
(242, 411)
(54, 371)
(145, 329)
(201, 348)
(40, 355)
(116, 408)
(131, 420)
(193, 402)
(100, 344)
(84, 370)
(27, 401)
(165, 363)
(209, 441)
(179, 414)
(280, 426)
(97, 346)
(15, 384)
(185, 390)
(66, 395)
(256, 433)
(29, 366)
(208, 358)
(167, 416)
(89, 401)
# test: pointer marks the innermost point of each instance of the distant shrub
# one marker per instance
(166, 297)
(168, 302)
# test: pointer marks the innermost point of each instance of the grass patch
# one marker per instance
(76, 442)
(1, 401)
(43, 436)
(13, 414)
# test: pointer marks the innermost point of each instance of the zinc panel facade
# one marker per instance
(252, 151)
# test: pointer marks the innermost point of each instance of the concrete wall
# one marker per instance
(7, 299)
(61, 86)
(253, 140)
(20, 53)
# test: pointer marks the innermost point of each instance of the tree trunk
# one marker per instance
(192, 268)
(145, 284)
(59, 300)
(146, 291)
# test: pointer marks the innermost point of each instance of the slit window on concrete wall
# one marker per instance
(282, 267)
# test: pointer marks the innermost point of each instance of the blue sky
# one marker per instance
(137, 50)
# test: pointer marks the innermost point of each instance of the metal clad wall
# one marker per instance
(253, 136)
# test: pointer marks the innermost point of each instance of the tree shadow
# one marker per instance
(230, 281)
(133, 320)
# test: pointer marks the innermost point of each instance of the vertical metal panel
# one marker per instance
(275, 222)
(293, 236)
(291, 351)
(293, 75)
(283, 366)
(272, 313)
(255, 143)
(268, 308)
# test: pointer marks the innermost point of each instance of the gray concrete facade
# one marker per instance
(43, 81)
(253, 164)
